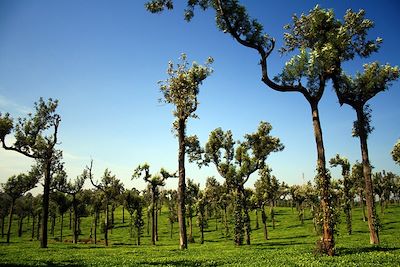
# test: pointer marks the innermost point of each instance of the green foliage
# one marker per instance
(18, 185)
(182, 86)
(396, 152)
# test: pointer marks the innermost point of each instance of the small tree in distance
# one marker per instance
(181, 90)
(396, 152)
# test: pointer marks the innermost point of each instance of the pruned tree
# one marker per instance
(181, 90)
(396, 152)
(323, 43)
(72, 188)
(15, 187)
(235, 162)
(110, 187)
(36, 138)
(155, 181)
(347, 186)
(356, 92)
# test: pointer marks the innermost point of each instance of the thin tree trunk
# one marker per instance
(96, 216)
(53, 223)
(202, 231)
(324, 185)
(70, 219)
(369, 192)
(181, 185)
(46, 199)
(21, 219)
(257, 225)
(75, 225)
(226, 222)
(106, 225)
(153, 219)
(38, 226)
(156, 222)
(191, 239)
(33, 227)
(61, 227)
(123, 214)
(264, 221)
(10, 215)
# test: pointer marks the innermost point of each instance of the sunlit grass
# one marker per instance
(290, 244)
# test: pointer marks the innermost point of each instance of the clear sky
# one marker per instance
(102, 61)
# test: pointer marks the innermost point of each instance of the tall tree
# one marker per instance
(356, 92)
(36, 138)
(16, 186)
(323, 43)
(181, 90)
(155, 181)
(110, 187)
(5, 201)
(72, 189)
(236, 161)
(347, 186)
(396, 152)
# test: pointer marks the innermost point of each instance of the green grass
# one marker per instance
(290, 244)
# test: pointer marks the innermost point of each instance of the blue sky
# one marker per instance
(102, 60)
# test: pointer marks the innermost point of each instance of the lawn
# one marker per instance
(290, 244)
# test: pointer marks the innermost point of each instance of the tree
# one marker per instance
(22, 209)
(181, 90)
(323, 43)
(110, 187)
(155, 181)
(36, 138)
(5, 201)
(347, 186)
(238, 161)
(171, 198)
(201, 214)
(213, 193)
(396, 152)
(192, 192)
(97, 205)
(134, 204)
(359, 184)
(63, 204)
(72, 189)
(356, 92)
(15, 187)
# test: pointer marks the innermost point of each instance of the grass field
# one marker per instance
(290, 244)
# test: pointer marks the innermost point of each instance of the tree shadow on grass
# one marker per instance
(182, 263)
(351, 251)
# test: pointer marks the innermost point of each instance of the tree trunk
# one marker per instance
(369, 193)
(324, 185)
(272, 215)
(202, 231)
(153, 219)
(20, 224)
(10, 215)
(96, 216)
(75, 225)
(238, 209)
(148, 221)
(191, 238)
(181, 185)
(257, 225)
(38, 227)
(264, 221)
(156, 221)
(61, 227)
(33, 227)
(53, 223)
(70, 219)
(226, 222)
(106, 224)
(123, 214)
(46, 199)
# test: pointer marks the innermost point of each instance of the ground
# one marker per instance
(290, 244)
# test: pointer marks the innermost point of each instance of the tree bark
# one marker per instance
(75, 225)
(106, 224)
(46, 198)
(21, 220)
(181, 185)
(61, 227)
(264, 221)
(324, 184)
(369, 193)
(10, 215)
